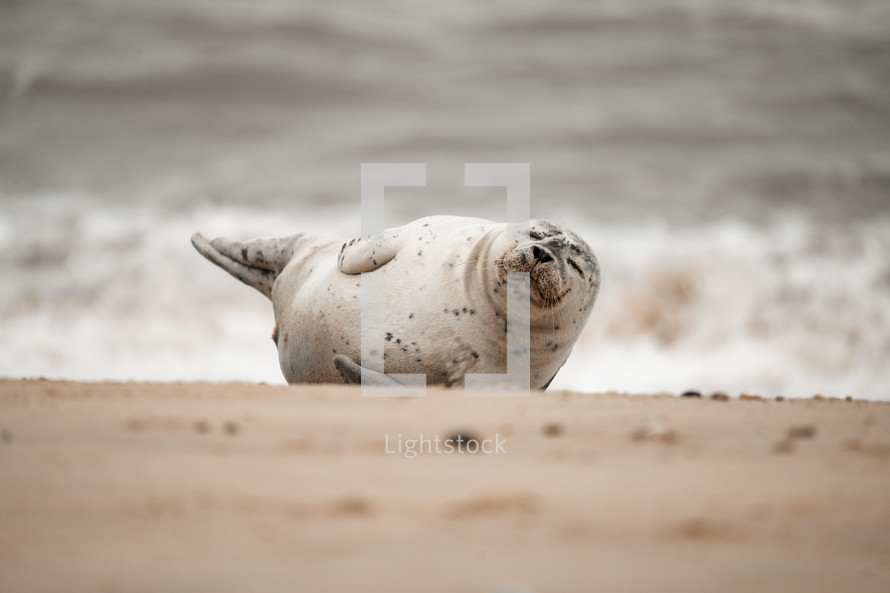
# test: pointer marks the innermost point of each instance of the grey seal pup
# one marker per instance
(445, 297)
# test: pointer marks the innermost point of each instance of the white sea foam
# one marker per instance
(789, 309)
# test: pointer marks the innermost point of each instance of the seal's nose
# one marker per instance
(542, 256)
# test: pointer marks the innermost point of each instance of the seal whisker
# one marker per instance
(468, 274)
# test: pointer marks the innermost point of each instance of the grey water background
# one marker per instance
(729, 162)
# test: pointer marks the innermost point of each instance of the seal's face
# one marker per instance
(561, 266)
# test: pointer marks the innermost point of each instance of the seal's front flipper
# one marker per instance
(353, 373)
(366, 255)
(256, 262)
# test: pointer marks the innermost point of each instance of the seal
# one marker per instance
(445, 295)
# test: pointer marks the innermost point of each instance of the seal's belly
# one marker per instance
(431, 325)
(439, 319)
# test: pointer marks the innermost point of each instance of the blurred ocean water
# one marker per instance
(730, 165)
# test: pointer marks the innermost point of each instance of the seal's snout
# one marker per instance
(545, 271)
(541, 256)
(529, 257)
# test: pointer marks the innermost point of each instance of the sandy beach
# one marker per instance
(235, 487)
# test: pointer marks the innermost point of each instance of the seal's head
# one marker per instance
(562, 268)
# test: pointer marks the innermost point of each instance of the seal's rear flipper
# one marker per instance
(246, 260)
(353, 373)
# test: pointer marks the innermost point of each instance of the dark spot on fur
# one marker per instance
(398, 340)
(388, 336)
(411, 316)
(475, 354)
(244, 254)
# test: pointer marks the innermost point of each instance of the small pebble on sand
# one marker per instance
(802, 432)
(553, 429)
(691, 394)
(5, 436)
(460, 440)
(351, 506)
(653, 431)
(201, 427)
(719, 396)
(231, 428)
